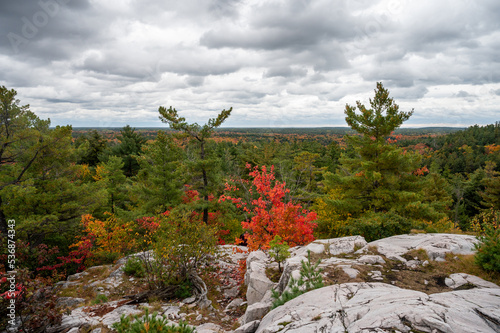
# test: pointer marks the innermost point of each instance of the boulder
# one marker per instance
(459, 280)
(379, 307)
(256, 279)
(345, 244)
(255, 312)
(210, 328)
(436, 245)
(250, 327)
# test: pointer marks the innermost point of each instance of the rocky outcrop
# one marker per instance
(258, 284)
(379, 307)
(436, 245)
(370, 291)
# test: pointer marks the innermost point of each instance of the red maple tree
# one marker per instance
(271, 215)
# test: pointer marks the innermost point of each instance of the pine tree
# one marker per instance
(381, 182)
(200, 134)
(161, 177)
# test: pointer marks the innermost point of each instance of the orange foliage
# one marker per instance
(108, 236)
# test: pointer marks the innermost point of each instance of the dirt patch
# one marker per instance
(103, 309)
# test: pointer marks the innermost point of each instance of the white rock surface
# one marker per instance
(79, 317)
(457, 280)
(256, 279)
(250, 327)
(209, 328)
(255, 312)
(436, 245)
(379, 307)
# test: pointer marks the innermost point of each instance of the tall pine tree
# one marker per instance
(379, 189)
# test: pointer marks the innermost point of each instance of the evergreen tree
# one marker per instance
(381, 183)
(128, 149)
(91, 146)
(40, 185)
(110, 176)
(161, 176)
(491, 181)
(200, 134)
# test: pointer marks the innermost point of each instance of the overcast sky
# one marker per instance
(277, 63)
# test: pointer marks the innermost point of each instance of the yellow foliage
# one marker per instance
(330, 222)
(444, 225)
(111, 235)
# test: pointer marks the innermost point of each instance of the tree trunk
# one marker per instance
(205, 182)
(3, 220)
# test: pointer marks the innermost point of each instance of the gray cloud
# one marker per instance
(282, 63)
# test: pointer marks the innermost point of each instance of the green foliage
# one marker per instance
(161, 177)
(99, 299)
(90, 147)
(128, 149)
(310, 279)
(278, 250)
(205, 166)
(149, 323)
(110, 176)
(380, 178)
(180, 245)
(488, 248)
(491, 181)
(134, 267)
(373, 226)
(41, 187)
(184, 289)
(372, 122)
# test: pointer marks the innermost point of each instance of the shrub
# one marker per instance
(134, 267)
(487, 225)
(310, 279)
(150, 324)
(99, 299)
(36, 302)
(279, 250)
(373, 226)
(181, 243)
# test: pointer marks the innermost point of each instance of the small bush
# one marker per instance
(100, 298)
(134, 267)
(488, 248)
(184, 289)
(279, 250)
(150, 324)
(310, 279)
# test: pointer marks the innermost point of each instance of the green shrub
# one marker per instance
(279, 250)
(181, 244)
(134, 267)
(488, 248)
(100, 298)
(373, 226)
(150, 324)
(310, 279)
(184, 289)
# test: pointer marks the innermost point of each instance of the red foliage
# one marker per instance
(271, 215)
(151, 223)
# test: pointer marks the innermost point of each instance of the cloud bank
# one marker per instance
(276, 62)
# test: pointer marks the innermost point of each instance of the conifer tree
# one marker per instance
(161, 177)
(381, 182)
(204, 165)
